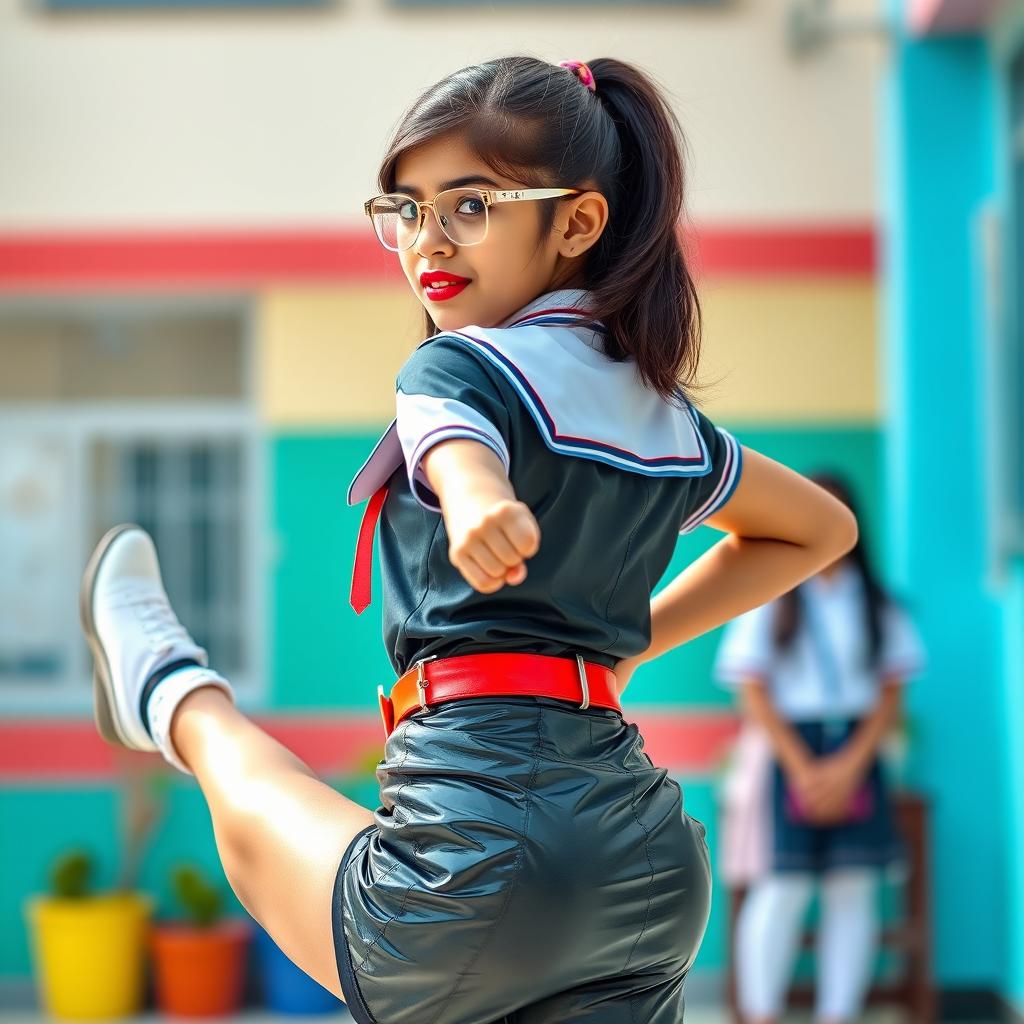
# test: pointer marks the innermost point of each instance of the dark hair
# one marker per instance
(536, 123)
(789, 614)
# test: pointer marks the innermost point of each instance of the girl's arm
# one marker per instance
(489, 531)
(860, 749)
(781, 529)
(792, 752)
(824, 794)
(830, 784)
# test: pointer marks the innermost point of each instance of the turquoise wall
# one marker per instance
(1007, 40)
(938, 170)
(89, 818)
(313, 632)
(40, 823)
(316, 633)
(1013, 689)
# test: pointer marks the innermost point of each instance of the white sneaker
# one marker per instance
(136, 639)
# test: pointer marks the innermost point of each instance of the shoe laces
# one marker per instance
(156, 616)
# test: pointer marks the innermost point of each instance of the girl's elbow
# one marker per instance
(844, 530)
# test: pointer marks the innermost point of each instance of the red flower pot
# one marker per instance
(199, 972)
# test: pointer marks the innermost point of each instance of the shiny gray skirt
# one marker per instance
(528, 865)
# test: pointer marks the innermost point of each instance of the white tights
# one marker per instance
(768, 933)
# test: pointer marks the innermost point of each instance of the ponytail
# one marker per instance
(643, 289)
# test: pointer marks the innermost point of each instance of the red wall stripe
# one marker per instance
(164, 259)
(223, 260)
(70, 750)
(813, 251)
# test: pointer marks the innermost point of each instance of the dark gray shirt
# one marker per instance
(607, 533)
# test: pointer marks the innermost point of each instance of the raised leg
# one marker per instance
(281, 832)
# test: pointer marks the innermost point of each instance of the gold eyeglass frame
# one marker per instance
(489, 197)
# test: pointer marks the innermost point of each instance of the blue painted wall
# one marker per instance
(938, 169)
(322, 656)
(325, 656)
(1006, 39)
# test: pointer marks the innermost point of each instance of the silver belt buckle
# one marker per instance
(583, 683)
(421, 680)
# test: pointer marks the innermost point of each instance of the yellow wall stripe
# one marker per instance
(774, 350)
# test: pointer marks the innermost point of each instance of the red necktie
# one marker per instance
(359, 595)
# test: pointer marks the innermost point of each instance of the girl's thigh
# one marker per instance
(280, 830)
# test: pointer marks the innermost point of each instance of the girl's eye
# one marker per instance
(408, 211)
(470, 205)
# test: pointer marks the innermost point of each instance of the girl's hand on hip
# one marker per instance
(489, 540)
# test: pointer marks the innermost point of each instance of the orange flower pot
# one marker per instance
(199, 972)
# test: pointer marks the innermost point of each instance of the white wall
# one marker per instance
(249, 119)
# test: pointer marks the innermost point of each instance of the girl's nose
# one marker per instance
(432, 239)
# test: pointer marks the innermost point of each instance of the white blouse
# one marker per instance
(822, 673)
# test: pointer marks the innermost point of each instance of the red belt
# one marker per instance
(438, 680)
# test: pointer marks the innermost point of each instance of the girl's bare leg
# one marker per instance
(281, 832)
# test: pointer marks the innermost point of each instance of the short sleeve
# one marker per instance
(710, 492)
(443, 391)
(746, 648)
(902, 655)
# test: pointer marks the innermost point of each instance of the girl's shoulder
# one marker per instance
(583, 402)
(445, 358)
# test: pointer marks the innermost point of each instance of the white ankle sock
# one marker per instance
(168, 695)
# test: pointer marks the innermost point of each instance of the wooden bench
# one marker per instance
(911, 936)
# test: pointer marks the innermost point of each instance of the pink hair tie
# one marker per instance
(581, 71)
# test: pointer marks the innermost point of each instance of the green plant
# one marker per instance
(71, 874)
(144, 786)
(202, 902)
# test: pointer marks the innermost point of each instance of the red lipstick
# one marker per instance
(442, 284)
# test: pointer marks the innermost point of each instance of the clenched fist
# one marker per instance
(490, 531)
(489, 540)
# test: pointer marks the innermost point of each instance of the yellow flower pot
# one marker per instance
(90, 953)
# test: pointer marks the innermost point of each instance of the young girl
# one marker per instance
(821, 670)
(528, 862)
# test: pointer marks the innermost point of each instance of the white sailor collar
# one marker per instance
(562, 300)
(583, 403)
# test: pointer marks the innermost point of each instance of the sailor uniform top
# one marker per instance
(612, 472)
(824, 673)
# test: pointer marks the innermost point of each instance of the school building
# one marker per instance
(199, 333)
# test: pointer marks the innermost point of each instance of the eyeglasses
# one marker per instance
(461, 212)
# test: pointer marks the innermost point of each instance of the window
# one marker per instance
(125, 412)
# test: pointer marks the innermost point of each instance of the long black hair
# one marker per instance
(536, 123)
(789, 610)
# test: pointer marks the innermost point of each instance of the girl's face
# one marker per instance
(511, 266)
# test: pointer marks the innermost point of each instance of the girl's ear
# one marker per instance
(582, 221)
